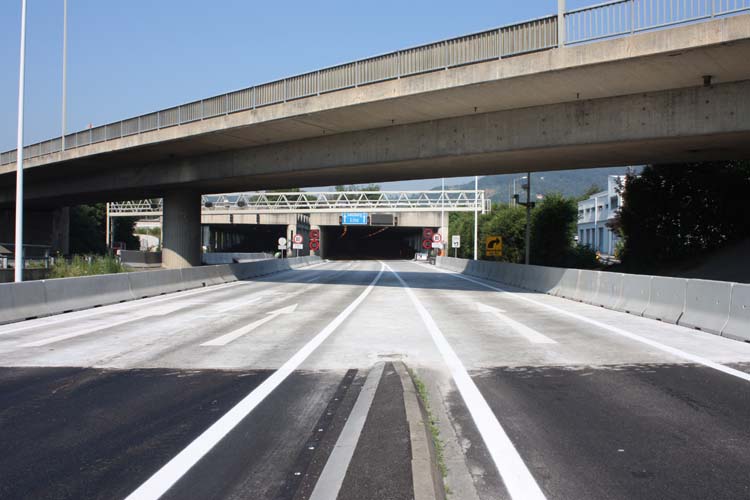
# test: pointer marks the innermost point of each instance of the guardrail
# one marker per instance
(718, 307)
(610, 19)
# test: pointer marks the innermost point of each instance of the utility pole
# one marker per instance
(19, 154)
(64, 70)
(476, 216)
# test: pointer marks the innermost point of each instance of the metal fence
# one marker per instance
(616, 18)
(308, 202)
(621, 17)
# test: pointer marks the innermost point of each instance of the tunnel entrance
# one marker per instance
(244, 237)
(370, 242)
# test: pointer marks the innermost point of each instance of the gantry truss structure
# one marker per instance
(318, 202)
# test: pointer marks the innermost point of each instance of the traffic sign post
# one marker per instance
(314, 244)
(437, 241)
(456, 243)
(282, 246)
(493, 246)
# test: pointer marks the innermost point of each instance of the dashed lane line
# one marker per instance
(529, 334)
(517, 478)
(172, 471)
(126, 306)
(619, 331)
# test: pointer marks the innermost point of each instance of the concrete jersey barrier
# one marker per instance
(707, 305)
(667, 300)
(635, 295)
(738, 323)
(32, 299)
(711, 306)
(19, 301)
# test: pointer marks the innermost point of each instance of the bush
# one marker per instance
(81, 265)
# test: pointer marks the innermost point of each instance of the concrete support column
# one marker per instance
(181, 245)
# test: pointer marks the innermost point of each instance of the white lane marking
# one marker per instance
(132, 304)
(330, 480)
(529, 333)
(86, 331)
(114, 308)
(232, 336)
(517, 478)
(619, 331)
(172, 471)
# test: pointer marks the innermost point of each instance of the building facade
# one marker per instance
(595, 212)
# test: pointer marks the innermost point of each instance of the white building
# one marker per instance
(594, 214)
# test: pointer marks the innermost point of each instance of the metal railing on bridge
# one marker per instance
(317, 202)
(605, 20)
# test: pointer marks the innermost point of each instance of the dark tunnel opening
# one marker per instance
(370, 242)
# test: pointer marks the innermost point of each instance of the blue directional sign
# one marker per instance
(354, 219)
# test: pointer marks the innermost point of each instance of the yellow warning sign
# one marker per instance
(493, 246)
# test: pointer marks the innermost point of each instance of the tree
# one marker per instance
(553, 228)
(675, 212)
(87, 229)
(510, 224)
(123, 230)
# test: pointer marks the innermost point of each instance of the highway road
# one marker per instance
(292, 386)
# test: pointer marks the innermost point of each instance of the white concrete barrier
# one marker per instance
(738, 325)
(152, 283)
(609, 291)
(667, 299)
(19, 301)
(72, 294)
(588, 285)
(569, 284)
(636, 292)
(217, 258)
(711, 306)
(706, 305)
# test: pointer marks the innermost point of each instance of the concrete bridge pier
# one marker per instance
(181, 245)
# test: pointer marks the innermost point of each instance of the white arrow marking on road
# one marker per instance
(232, 336)
(530, 334)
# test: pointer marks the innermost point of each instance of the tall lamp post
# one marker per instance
(476, 217)
(19, 154)
(64, 70)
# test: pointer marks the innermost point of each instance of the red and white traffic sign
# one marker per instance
(314, 245)
(437, 238)
(427, 244)
(427, 233)
(298, 239)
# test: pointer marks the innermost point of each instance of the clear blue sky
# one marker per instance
(131, 57)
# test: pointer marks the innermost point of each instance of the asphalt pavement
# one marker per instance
(285, 387)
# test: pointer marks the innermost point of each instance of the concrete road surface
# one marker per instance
(292, 386)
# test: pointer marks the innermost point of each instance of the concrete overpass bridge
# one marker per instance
(532, 96)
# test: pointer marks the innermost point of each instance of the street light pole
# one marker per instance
(64, 70)
(528, 217)
(476, 217)
(19, 154)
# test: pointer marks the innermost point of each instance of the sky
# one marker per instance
(138, 56)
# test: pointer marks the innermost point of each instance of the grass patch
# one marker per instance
(432, 425)
(81, 265)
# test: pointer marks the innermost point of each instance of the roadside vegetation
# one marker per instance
(81, 265)
(553, 228)
(679, 213)
(432, 423)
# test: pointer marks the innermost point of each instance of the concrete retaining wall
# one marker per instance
(717, 307)
(19, 301)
